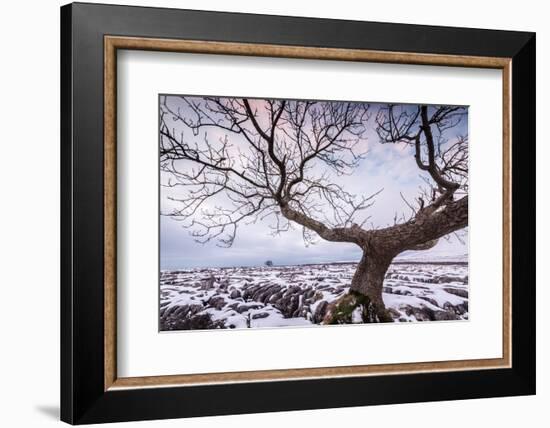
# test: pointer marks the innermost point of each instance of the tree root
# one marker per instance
(355, 307)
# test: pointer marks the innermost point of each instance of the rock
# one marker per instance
(265, 295)
(217, 302)
(260, 315)
(459, 309)
(462, 308)
(320, 312)
(275, 297)
(234, 294)
(316, 297)
(460, 292)
(208, 283)
(195, 308)
(421, 314)
(185, 318)
(288, 304)
(292, 305)
(249, 292)
(446, 278)
(292, 290)
(395, 314)
(308, 293)
(165, 312)
(243, 308)
(255, 295)
(445, 316)
(299, 312)
(180, 311)
(428, 299)
(420, 287)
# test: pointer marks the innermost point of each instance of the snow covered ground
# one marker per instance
(282, 296)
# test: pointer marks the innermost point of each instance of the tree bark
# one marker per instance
(369, 276)
(364, 298)
(368, 280)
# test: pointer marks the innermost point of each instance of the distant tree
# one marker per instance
(279, 171)
(269, 263)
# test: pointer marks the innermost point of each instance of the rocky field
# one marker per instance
(282, 296)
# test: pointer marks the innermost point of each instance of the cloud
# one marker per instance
(390, 167)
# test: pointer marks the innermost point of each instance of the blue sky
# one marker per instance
(390, 167)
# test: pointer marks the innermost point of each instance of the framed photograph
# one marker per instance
(266, 213)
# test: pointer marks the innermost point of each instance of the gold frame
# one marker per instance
(113, 43)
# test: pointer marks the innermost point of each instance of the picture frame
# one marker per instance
(91, 390)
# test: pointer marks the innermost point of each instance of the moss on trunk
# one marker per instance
(355, 307)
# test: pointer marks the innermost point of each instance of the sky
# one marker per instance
(390, 167)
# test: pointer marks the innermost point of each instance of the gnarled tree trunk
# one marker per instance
(364, 301)
(368, 280)
(379, 248)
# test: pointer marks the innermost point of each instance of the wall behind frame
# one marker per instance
(29, 225)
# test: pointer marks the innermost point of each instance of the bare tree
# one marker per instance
(282, 169)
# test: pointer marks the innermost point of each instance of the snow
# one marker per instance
(289, 296)
(422, 257)
(356, 315)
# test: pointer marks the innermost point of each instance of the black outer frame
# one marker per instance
(83, 399)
